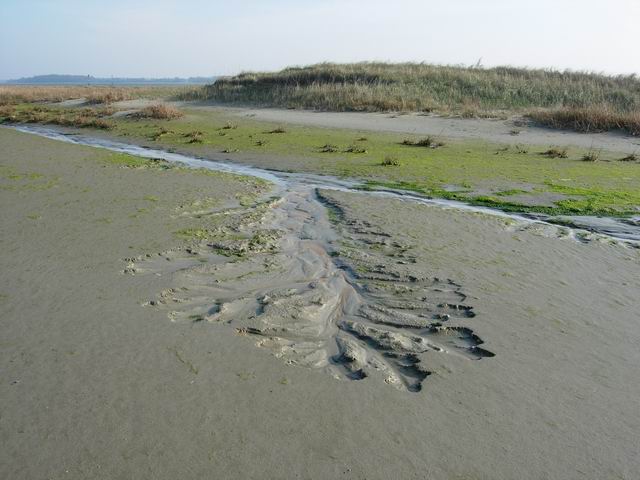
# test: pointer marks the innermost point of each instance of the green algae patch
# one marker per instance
(589, 202)
(131, 161)
(17, 180)
(488, 174)
(480, 173)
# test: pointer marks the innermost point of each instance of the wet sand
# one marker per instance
(119, 362)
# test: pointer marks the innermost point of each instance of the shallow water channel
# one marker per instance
(624, 229)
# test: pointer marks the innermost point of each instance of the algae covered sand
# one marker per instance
(504, 171)
(138, 342)
(490, 173)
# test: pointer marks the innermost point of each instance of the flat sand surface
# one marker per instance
(489, 130)
(131, 352)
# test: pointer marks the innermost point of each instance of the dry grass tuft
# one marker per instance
(277, 130)
(159, 111)
(107, 96)
(591, 156)
(355, 149)
(6, 111)
(160, 133)
(427, 142)
(556, 152)
(328, 148)
(592, 119)
(195, 136)
(632, 157)
(390, 161)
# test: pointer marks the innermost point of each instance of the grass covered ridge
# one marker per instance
(602, 102)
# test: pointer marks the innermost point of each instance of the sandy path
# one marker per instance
(96, 385)
(494, 131)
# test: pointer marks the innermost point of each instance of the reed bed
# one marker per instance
(591, 119)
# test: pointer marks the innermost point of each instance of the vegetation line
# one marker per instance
(577, 100)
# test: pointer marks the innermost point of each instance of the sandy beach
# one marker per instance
(164, 323)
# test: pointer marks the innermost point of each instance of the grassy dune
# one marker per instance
(582, 101)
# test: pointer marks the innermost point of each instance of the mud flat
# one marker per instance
(164, 323)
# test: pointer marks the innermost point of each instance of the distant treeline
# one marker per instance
(89, 80)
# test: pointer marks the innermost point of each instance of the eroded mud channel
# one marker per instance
(317, 289)
(302, 278)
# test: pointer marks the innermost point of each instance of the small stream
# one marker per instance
(622, 229)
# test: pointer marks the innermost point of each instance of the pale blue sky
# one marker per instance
(197, 37)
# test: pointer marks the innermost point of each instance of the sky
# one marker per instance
(167, 38)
